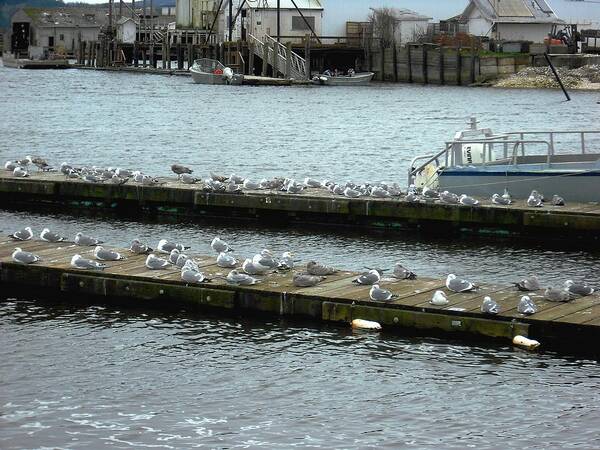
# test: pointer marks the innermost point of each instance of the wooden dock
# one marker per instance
(313, 206)
(336, 299)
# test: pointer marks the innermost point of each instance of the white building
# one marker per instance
(126, 30)
(261, 18)
(510, 20)
(408, 25)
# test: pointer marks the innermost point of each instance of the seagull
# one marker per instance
(581, 289)
(369, 278)
(379, 192)
(104, 254)
(265, 258)
(219, 178)
(123, 173)
(220, 246)
(181, 260)
(190, 264)
(381, 295)
(23, 257)
(249, 184)
(439, 299)
(557, 295)
(254, 269)
(411, 197)
(489, 306)
(153, 262)
(235, 179)
(174, 255)
(337, 189)
(294, 188)
(10, 165)
(498, 200)
(40, 163)
(20, 172)
(468, 201)
(116, 179)
(430, 193)
(557, 200)
(179, 169)
(526, 305)
(226, 260)
(306, 280)
(192, 276)
(534, 199)
(82, 263)
(351, 193)
(506, 195)
(49, 236)
(242, 279)
(186, 178)
(315, 268)
(310, 182)
(23, 234)
(138, 248)
(164, 246)
(286, 262)
(86, 241)
(231, 187)
(402, 273)
(448, 197)
(528, 284)
(456, 285)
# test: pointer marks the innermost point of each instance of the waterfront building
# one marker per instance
(40, 30)
(407, 25)
(510, 20)
(127, 30)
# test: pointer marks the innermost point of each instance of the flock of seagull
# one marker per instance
(170, 254)
(237, 184)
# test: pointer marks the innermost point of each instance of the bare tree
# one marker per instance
(383, 23)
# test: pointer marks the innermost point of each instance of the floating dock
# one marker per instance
(313, 206)
(335, 299)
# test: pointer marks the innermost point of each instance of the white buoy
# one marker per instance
(522, 341)
(366, 324)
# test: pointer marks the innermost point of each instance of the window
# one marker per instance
(299, 24)
(61, 37)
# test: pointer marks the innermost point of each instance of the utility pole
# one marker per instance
(278, 20)
(230, 20)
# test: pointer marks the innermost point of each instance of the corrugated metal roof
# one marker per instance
(285, 4)
(68, 17)
(516, 11)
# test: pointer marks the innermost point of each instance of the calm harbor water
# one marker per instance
(76, 376)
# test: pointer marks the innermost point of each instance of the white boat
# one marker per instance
(478, 162)
(211, 71)
(356, 79)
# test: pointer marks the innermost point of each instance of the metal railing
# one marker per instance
(505, 141)
(297, 63)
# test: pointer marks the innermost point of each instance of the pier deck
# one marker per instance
(336, 299)
(313, 206)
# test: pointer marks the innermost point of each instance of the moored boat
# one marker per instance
(211, 71)
(478, 162)
(353, 79)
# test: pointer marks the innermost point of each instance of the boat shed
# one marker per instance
(511, 20)
(59, 30)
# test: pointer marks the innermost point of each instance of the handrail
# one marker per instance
(297, 63)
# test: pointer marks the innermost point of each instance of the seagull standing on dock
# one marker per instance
(315, 268)
(489, 306)
(380, 295)
(153, 262)
(103, 254)
(86, 241)
(448, 197)
(402, 273)
(49, 236)
(220, 246)
(193, 276)
(138, 248)
(20, 172)
(23, 257)
(529, 284)
(468, 201)
(239, 278)
(535, 199)
(164, 246)
(180, 169)
(369, 278)
(40, 163)
(499, 200)
(226, 260)
(581, 289)
(80, 262)
(306, 280)
(456, 285)
(557, 200)
(439, 299)
(527, 306)
(557, 295)
(23, 234)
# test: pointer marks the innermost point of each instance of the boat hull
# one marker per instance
(358, 79)
(9, 60)
(571, 185)
(211, 78)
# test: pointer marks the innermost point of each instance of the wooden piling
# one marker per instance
(152, 55)
(179, 56)
(135, 54)
(395, 61)
(265, 59)
(409, 62)
(275, 61)
(458, 66)
(441, 66)
(307, 55)
(250, 58)
(382, 61)
(424, 64)
(288, 60)
(190, 55)
(163, 55)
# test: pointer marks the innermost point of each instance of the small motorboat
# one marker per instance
(211, 71)
(479, 162)
(350, 79)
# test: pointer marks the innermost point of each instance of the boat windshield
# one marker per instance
(208, 65)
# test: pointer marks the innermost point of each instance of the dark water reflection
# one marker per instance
(93, 376)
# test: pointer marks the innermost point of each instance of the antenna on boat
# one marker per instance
(473, 122)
